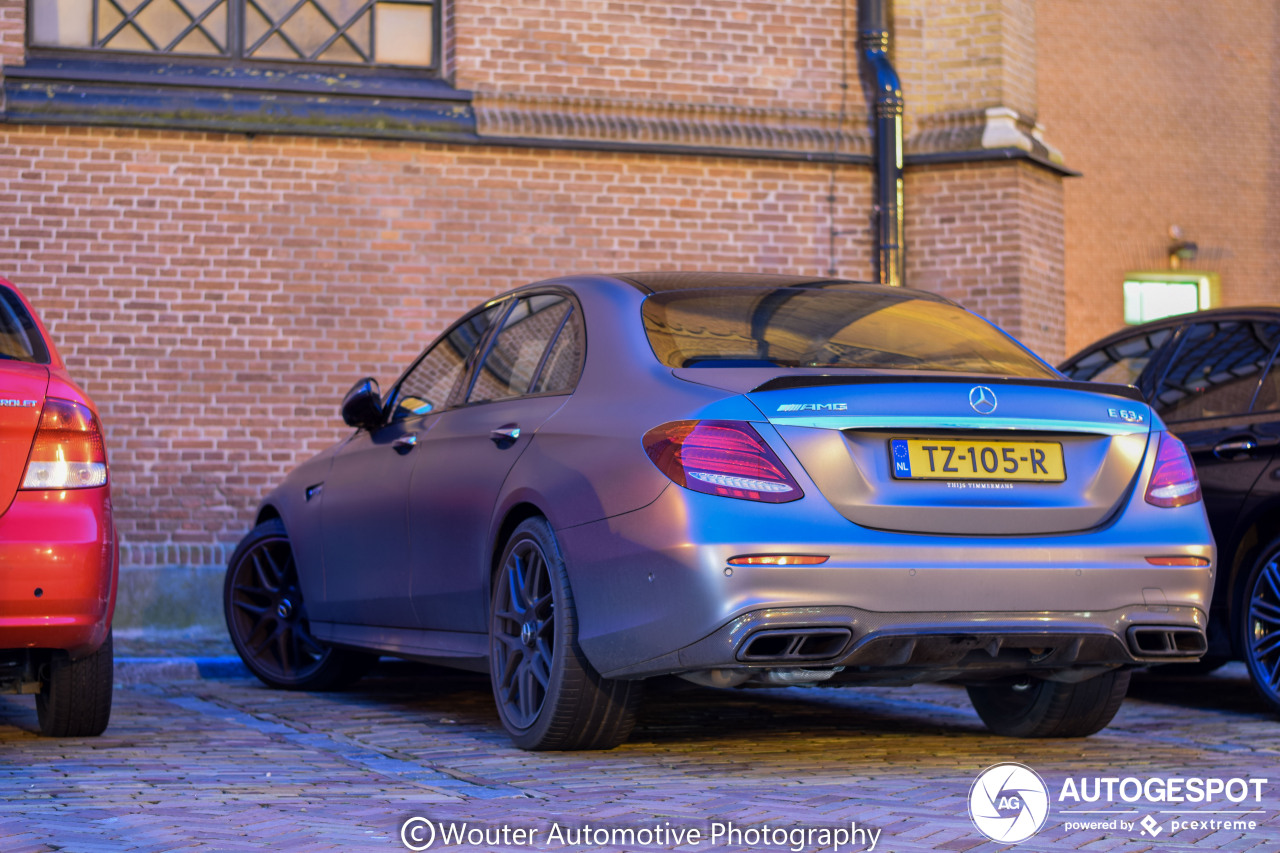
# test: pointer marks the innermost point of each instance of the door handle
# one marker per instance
(1234, 448)
(405, 443)
(506, 435)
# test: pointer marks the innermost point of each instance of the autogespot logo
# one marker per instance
(1008, 803)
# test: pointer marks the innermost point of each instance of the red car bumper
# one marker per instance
(58, 570)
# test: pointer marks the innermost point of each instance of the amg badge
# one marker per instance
(814, 407)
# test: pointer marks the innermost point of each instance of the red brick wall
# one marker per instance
(1170, 108)
(989, 235)
(218, 295)
(740, 52)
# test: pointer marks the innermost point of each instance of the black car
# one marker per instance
(1214, 377)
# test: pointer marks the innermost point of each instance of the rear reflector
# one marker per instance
(726, 458)
(1173, 480)
(67, 452)
(778, 560)
(1178, 561)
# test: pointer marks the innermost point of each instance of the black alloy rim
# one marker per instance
(1264, 627)
(523, 634)
(270, 623)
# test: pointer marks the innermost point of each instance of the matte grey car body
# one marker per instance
(413, 536)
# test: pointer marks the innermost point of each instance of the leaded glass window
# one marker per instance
(359, 32)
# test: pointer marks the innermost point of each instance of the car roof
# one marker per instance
(1241, 312)
(657, 282)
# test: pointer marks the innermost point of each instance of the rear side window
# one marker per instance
(512, 363)
(20, 340)
(1216, 370)
(1122, 362)
(841, 326)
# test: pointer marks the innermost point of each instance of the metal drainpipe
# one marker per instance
(886, 94)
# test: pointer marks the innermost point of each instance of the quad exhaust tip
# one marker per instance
(794, 644)
(1156, 641)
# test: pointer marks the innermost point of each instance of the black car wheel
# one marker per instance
(1260, 642)
(267, 618)
(548, 694)
(1033, 707)
(75, 695)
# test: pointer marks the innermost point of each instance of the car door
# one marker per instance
(364, 530)
(1205, 395)
(521, 381)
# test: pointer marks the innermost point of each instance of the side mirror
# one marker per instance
(362, 407)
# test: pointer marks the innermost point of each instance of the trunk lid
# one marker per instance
(963, 455)
(22, 394)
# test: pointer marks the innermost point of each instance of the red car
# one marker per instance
(58, 547)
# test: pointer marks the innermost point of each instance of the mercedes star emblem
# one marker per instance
(982, 399)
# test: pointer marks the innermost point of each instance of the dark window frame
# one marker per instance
(234, 56)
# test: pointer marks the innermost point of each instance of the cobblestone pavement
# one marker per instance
(230, 765)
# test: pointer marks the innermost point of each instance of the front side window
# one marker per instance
(1216, 370)
(428, 384)
(844, 326)
(342, 32)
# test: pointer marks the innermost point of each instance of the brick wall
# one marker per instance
(218, 295)
(1170, 108)
(989, 235)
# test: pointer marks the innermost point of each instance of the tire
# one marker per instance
(1259, 625)
(548, 694)
(1038, 708)
(75, 695)
(267, 619)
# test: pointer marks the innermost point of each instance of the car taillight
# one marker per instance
(68, 452)
(726, 458)
(1173, 480)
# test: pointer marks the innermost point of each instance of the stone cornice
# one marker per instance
(659, 124)
(992, 128)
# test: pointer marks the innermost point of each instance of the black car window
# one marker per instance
(1216, 370)
(1268, 399)
(847, 325)
(427, 386)
(1121, 362)
(559, 373)
(509, 367)
(20, 340)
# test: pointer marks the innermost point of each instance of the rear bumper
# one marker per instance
(58, 570)
(908, 647)
(655, 593)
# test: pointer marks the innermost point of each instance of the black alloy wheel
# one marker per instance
(523, 634)
(548, 694)
(1260, 642)
(267, 618)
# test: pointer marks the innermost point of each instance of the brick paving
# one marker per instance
(229, 765)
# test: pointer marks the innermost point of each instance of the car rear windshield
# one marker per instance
(845, 325)
(20, 340)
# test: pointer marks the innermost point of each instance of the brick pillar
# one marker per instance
(990, 236)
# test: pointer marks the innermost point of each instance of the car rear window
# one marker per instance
(20, 340)
(830, 326)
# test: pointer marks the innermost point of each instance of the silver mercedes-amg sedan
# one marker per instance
(740, 480)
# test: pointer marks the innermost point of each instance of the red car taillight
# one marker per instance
(726, 458)
(1173, 480)
(68, 452)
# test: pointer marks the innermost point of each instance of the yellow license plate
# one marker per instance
(939, 459)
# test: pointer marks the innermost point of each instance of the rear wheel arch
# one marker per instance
(267, 513)
(515, 516)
